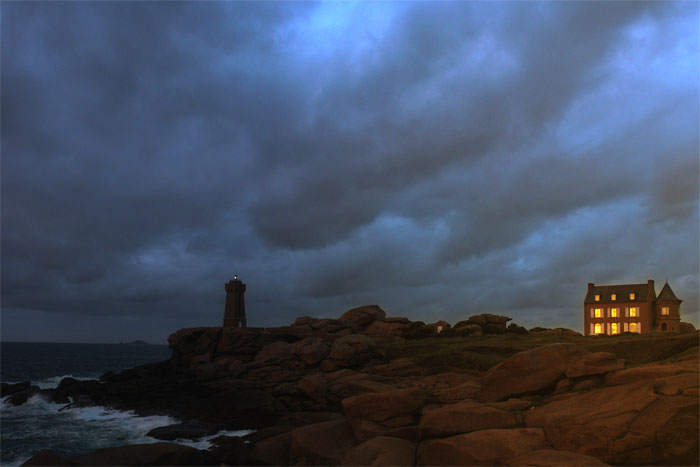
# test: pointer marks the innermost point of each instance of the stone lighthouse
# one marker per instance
(234, 315)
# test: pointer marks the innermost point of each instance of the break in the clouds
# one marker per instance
(438, 159)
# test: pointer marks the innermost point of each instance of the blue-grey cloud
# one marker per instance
(440, 159)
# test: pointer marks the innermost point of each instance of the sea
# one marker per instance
(38, 424)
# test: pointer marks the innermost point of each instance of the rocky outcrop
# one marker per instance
(347, 383)
(382, 450)
(47, 457)
(595, 364)
(363, 316)
(327, 328)
(553, 458)
(354, 350)
(21, 392)
(260, 353)
(464, 417)
(321, 443)
(311, 350)
(487, 318)
(484, 323)
(529, 372)
(642, 373)
(385, 413)
(7, 389)
(646, 421)
(487, 447)
(133, 454)
(389, 328)
(382, 406)
(272, 451)
(490, 324)
(188, 430)
(314, 387)
(474, 330)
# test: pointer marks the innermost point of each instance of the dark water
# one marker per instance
(43, 363)
(36, 425)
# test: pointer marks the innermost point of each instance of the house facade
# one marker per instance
(614, 309)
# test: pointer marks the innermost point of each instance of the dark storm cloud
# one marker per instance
(438, 159)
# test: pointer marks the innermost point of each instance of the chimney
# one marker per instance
(590, 286)
(651, 294)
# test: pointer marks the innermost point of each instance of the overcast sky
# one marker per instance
(437, 159)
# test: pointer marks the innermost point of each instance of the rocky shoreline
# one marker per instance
(325, 392)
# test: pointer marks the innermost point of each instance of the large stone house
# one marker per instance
(613, 309)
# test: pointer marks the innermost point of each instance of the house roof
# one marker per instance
(667, 294)
(643, 292)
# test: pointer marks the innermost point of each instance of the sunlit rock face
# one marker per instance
(530, 371)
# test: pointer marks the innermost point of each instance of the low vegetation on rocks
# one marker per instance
(367, 389)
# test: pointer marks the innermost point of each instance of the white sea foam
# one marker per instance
(83, 429)
(53, 381)
(120, 420)
(206, 442)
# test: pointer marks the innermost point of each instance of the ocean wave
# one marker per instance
(53, 381)
(35, 404)
(39, 424)
(206, 442)
(82, 429)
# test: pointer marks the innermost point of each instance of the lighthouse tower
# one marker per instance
(234, 314)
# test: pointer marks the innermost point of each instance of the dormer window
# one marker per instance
(597, 298)
(633, 296)
(613, 297)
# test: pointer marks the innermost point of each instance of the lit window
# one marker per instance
(614, 312)
(598, 328)
(634, 311)
(615, 328)
(664, 310)
(632, 296)
(613, 297)
(633, 327)
(597, 298)
(598, 313)
(439, 329)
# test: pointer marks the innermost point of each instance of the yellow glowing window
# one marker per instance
(634, 311)
(613, 297)
(598, 313)
(614, 312)
(597, 298)
(633, 327)
(664, 310)
(614, 328)
(598, 328)
(633, 296)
